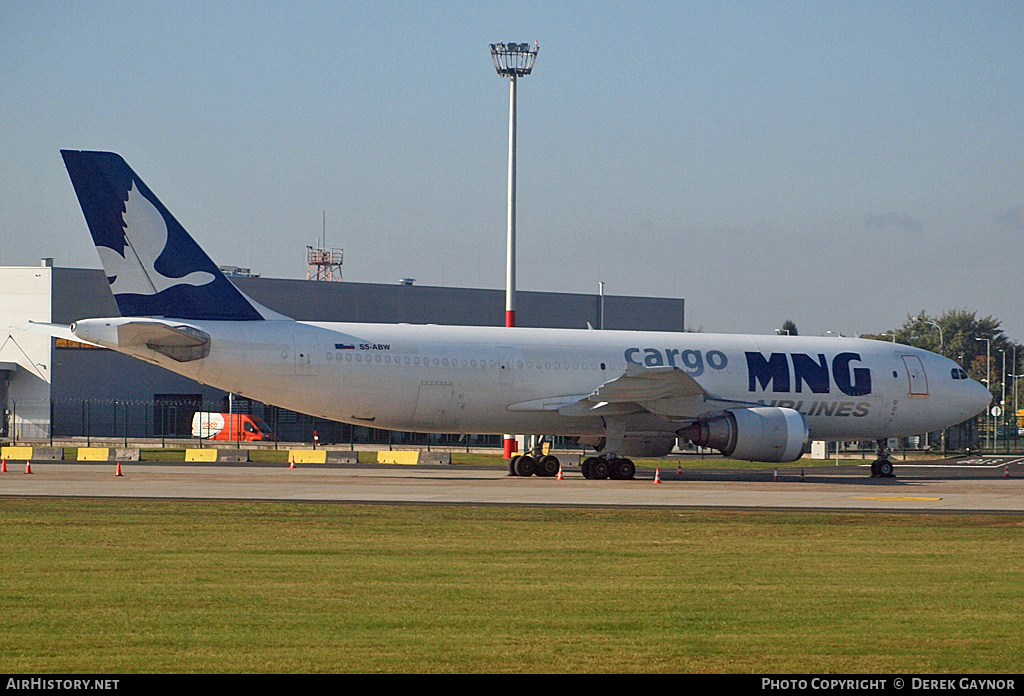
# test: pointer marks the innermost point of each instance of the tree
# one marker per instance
(788, 328)
(961, 339)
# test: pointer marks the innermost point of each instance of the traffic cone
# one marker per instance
(559, 477)
(679, 470)
(1006, 471)
(292, 466)
(657, 475)
(28, 467)
(776, 473)
(119, 470)
(3, 468)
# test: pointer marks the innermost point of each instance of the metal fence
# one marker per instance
(168, 419)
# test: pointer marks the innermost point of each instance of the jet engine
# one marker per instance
(760, 434)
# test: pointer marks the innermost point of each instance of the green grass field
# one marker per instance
(124, 586)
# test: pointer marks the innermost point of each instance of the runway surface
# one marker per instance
(978, 485)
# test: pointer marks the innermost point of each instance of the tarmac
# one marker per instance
(989, 484)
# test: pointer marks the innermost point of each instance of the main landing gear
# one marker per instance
(604, 466)
(531, 464)
(616, 468)
(882, 467)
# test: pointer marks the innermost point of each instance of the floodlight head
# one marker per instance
(514, 59)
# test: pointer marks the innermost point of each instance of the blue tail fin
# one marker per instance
(154, 267)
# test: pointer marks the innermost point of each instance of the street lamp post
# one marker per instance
(1002, 400)
(988, 382)
(942, 343)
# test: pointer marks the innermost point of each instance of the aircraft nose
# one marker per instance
(978, 398)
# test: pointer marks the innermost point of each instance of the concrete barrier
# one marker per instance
(307, 456)
(211, 454)
(200, 455)
(342, 457)
(108, 454)
(47, 454)
(436, 458)
(16, 453)
(232, 455)
(399, 457)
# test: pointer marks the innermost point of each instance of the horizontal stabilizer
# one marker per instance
(55, 330)
(177, 341)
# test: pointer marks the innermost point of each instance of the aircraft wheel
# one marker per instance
(547, 466)
(585, 467)
(623, 469)
(885, 468)
(599, 469)
(525, 465)
(512, 464)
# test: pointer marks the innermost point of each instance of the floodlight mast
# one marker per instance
(512, 60)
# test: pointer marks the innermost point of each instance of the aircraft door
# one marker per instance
(916, 375)
(306, 363)
(505, 364)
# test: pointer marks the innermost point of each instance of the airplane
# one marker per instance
(626, 393)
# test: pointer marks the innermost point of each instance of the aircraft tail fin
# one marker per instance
(154, 267)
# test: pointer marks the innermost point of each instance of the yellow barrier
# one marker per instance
(16, 452)
(200, 455)
(400, 457)
(93, 454)
(307, 456)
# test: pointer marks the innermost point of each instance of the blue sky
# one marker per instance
(838, 164)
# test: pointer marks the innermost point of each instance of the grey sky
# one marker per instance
(837, 164)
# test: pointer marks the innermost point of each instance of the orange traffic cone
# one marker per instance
(119, 470)
(657, 475)
(1006, 471)
(560, 477)
(679, 469)
(776, 473)
(3, 468)
(28, 467)
(292, 466)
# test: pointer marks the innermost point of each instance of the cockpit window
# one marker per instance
(959, 374)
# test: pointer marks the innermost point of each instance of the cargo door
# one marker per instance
(434, 405)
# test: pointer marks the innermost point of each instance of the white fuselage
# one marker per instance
(458, 379)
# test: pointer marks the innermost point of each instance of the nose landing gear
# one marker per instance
(882, 467)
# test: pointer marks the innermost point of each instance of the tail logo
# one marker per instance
(145, 232)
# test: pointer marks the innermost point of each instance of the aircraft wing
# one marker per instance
(664, 391)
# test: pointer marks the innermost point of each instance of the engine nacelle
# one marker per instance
(638, 444)
(760, 434)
